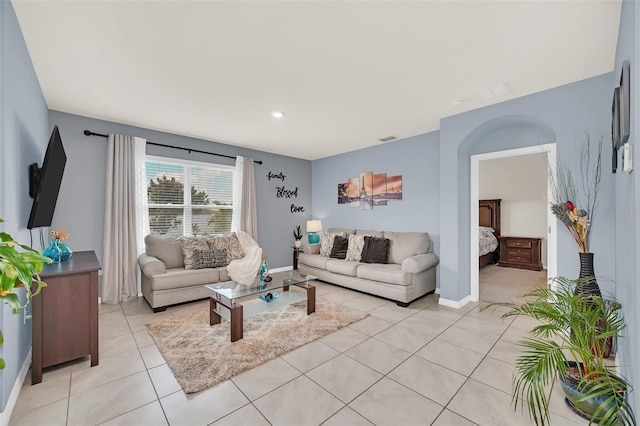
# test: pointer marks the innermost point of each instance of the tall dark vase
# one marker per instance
(589, 287)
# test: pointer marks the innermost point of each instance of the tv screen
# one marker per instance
(46, 182)
(625, 103)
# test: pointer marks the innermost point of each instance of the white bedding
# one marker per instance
(488, 241)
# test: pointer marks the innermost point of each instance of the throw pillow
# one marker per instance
(354, 250)
(202, 259)
(219, 258)
(326, 244)
(376, 250)
(166, 248)
(339, 249)
(228, 242)
(189, 246)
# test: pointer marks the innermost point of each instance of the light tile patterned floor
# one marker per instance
(426, 364)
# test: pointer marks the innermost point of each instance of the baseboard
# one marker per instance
(453, 303)
(284, 268)
(5, 416)
(437, 290)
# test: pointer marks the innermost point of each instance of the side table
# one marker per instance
(65, 313)
(296, 253)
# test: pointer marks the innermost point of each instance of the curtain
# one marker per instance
(244, 217)
(124, 221)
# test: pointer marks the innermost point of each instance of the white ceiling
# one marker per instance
(346, 73)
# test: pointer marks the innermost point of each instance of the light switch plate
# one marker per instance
(627, 158)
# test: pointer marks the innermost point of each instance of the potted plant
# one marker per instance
(18, 269)
(575, 198)
(570, 344)
(297, 236)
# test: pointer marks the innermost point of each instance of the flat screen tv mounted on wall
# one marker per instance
(44, 183)
(625, 103)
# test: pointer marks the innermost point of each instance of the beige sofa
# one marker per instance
(410, 273)
(166, 281)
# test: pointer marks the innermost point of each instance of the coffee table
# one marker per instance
(227, 295)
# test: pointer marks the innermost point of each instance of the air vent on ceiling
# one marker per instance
(388, 139)
(492, 92)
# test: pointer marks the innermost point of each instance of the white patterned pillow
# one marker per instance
(189, 246)
(326, 244)
(228, 242)
(354, 251)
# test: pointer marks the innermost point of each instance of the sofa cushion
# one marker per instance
(180, 277)
(390, 274)
(339, 249)
(189, 247)
(365, 232)
(166, 248)
(343, 267)
(406, 244)
(326, 244)
(228, 242)
(375, 250)
(313, 260)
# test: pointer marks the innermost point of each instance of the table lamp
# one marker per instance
(313, 227)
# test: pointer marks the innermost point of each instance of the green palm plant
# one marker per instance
(18, 269)
(297, 233)
(577, 328)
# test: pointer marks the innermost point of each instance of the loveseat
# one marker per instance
(176, 269)
(409, 271)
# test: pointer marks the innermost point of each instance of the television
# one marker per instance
(625, 103)
(44, 182)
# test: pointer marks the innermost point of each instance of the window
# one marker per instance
(205, 209)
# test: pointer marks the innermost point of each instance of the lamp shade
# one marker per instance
(314, 226)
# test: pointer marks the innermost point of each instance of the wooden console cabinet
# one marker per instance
(65, 313)
(521, 252)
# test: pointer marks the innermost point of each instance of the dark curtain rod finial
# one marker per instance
(190, 150)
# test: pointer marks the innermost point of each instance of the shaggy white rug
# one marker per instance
(201, 356)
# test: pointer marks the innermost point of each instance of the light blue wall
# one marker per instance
(627, 203)
(560, 115)
(81, 201)
(416, 159)
(24, 133)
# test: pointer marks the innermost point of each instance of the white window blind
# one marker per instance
(205, 208)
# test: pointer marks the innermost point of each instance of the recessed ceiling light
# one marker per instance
(457, 102)
(277, 114)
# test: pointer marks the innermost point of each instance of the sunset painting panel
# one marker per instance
(354, 192)
(394, 187)
(380, 189)
(366, 190)
(343, 193)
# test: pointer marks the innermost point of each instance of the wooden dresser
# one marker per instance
(65, 313)
(521, 252)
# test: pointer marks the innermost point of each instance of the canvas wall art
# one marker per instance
(369, 190)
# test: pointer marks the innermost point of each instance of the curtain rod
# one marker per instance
(90, 133)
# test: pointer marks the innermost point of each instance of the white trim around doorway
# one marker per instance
(552, 249)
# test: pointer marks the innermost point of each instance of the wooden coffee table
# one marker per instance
(225, 299)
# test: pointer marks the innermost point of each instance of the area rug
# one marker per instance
(201, 356)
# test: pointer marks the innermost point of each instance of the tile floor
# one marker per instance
(421, 365)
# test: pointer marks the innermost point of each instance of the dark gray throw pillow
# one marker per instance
(202, 259)
(219, 258)
(339, 249)
(375, 250)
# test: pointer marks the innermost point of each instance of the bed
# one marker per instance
(489, 230)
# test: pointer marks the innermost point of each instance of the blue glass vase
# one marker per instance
(53, 252)
(57, 251)
(65, 251)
